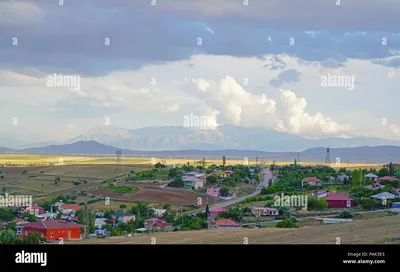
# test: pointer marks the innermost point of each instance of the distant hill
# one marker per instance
(365, 154)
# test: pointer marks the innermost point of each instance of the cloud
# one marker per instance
(288, 76)
(13, 13)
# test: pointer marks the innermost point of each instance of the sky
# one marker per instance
(316, 68)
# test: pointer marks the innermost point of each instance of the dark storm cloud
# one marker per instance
(71, 38)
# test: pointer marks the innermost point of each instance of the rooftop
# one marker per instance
(227, 222)
(52, 224)
(311, 179)
(334, 196)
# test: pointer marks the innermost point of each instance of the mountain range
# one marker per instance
(224, 137)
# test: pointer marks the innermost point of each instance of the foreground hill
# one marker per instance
(371, 231)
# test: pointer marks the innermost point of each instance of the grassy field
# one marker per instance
(384, 230)
(28, 159)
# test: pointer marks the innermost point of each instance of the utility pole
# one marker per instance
(328, 157)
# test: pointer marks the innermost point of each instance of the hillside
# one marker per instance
(371, 231)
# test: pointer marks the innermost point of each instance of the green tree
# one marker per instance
(207, 211)
(223, 161)
(224, 191)
(122, 206)
(356, 177)
(33, 238)
(8, 237)
(383, 172)
(30, 217)
(211, 179)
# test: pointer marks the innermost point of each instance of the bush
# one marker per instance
(287, 224)
(122, 206)
(345, 214)
(41, 172)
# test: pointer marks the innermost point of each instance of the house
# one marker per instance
(320, 193)
(157, 224)
(52, 229)
(223, 224)
(312, 181)
(387, 178)
(331, 179)
(339, 200)
(47, 215)
(228, 172)
(159, 212)
(396, 191)
(100, 222)
(192, 182)
(264, 211)
(17, 221)
(99, 214)
(217, 211)
(34, 209)
(375, 186)
(384, 195)
(372, 176)
(343, 177)
(214, 191)
(203, 179)
(124, 217)
(195, 174)
(69, 208)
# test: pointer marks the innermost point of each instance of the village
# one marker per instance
(289, 196)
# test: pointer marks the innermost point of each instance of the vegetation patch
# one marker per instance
(121, 189)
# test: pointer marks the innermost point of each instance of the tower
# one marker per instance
(328, 157)
(118, 155)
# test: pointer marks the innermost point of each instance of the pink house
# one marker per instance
(228, 172)
(217, 211)
(213, 192)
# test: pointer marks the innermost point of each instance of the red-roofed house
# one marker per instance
(387, 178)
(157, 224)
(52, 229)
(34, 209)
(228, 172)
(223, 224)
(312, 181)
(217, 211)
(339, 201)
(69, 208)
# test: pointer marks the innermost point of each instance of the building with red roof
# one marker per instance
(312, 181)
(217, 211)
(52, 229)
(157, 224)
(223, 224)
(339, 201)
(387, 178)
(34, 209)
(69, 208)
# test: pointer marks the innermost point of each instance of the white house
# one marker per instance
(372, 176)
(320, 193)
(159, 212)
(100, 222)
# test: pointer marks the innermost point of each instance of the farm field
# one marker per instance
(151, 193)
(371, 231)
(145, 162)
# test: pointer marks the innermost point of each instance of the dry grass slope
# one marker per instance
(372, 231)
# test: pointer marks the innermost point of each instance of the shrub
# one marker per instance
(287, 224)
(345, 214)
